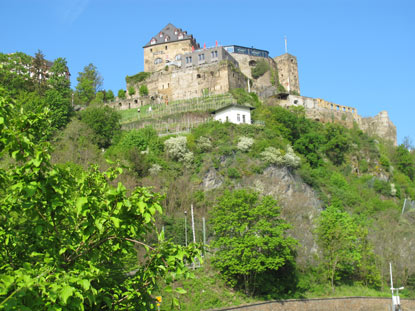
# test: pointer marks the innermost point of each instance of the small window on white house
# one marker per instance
(227, 119)
(243, 118)
(238, 117)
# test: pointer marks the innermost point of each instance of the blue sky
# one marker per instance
(358, 53)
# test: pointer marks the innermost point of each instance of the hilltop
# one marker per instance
(306, 177)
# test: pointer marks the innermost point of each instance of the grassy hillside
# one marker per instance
(337, 192)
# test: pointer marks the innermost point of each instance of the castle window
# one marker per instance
(214, 54)
(161, 35)
(180, 36)
(167, 38)
(198, 76)
(165, 47)
(135, 101)
(158, 61)
(153, 41)
(292, 60)
(201, 56)
(178, 57)
(188, 60)
(252, 63)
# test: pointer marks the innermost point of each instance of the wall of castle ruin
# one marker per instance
(184, 83)
(328, 112)
(381, 126)
(288, 72)
(247, 62)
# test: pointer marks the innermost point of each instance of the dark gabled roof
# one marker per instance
(172, 33)
(233, 105)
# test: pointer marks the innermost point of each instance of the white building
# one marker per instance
(234, 113)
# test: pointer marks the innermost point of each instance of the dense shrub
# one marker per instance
(260, 69)
(104, 121)
(139, 77)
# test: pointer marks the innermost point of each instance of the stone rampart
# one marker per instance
(328, 112)
(328, 304)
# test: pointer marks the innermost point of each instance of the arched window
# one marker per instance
(158, 61)
(252, 63)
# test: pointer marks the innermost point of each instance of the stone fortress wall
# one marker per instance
(326, 112)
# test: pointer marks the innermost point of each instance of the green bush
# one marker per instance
(139, 77)
(143, 90)
(121, 94)
(233, 173)
(104, 121)
(131, 90)
(260, 69)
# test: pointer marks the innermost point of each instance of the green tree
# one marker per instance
(15, 73)
(131, 90)
(89, 83)
(337, 236)
(121, 94)
(58, 96)
(109, 96)
(39, 70)
(69, 239)
(104, 121)
(404, 161)
(250, 237)
(143, 90)
(338, 143)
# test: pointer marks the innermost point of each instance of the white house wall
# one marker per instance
(232, 114)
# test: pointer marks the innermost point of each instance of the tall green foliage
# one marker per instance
(104, 121)
(250, 237)
(89, 83)
(337, 236)
(69, 240)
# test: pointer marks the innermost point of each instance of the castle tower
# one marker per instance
(167, 46)
(288, 72)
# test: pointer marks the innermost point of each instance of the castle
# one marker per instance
(176, 68)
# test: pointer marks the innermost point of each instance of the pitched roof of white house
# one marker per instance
(233, 106)
(170, 33)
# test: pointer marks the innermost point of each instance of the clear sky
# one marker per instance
(358, 53)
